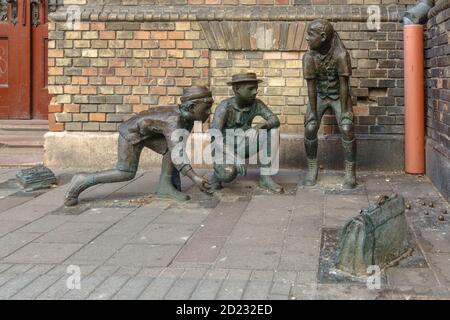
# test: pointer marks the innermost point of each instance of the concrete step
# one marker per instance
(24, 125)
(22, 142)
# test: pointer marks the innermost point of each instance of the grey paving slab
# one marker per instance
(8, 226)
(259, 285)
(300, 254)
(159, 287)
(209, 286)
(102, 191)
(254, 235)
(344, 291)
(440, 263)
(43, 253)
(35, 288)
(222, 220)
(45, 224)
(59, 288)
(4, 267)
(109, 287)
(12, 201)
(75, 232)
(183, 216)
(53, 197)
(264, 210)
(144, 255)
(308, 197)
(411, 277)
(26, 212)
(133, 288)
(233, 287)
(158, 233)
(249, 257)
(20, 268)
(201, 250)
(283, 282)
(103, 215)
(14, 241)
(15, 284)
(89, 283)
(435, 241)
(185, 285)
(305, 226)
(99, 250)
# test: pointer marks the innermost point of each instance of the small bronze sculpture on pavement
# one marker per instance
(237, 113)
(153, 129)
(327, 70)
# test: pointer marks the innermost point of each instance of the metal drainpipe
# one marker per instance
(414, 99)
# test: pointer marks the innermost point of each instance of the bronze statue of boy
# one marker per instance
(237, 113)
(327, 71)
(153, 129)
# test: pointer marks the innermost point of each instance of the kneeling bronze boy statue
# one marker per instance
(153, 129)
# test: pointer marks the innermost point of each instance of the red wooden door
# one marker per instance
(15, 61)
(40, 98)
(23, 60)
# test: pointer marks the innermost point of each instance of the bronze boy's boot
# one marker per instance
(350, 163)
(79, 183)
(166, 187)
(310, 178)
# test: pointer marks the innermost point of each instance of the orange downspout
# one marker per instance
(414, 99)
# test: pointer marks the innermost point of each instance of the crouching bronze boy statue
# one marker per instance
(153, 129)
(235, 115)
(327, 70)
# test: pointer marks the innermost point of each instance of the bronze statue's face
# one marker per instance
(247, 91)
(315, 38)
(202, 109)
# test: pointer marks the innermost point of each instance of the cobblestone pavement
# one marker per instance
(242, 243)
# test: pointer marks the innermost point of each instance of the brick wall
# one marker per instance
(105, 71)
(438, 100)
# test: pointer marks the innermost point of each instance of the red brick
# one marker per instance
(98, 117)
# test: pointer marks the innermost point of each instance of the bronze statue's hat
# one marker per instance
(195, 92)
(244, 77)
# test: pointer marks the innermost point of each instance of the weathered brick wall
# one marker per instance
(438, 100)
(238, 2)
(105, 71)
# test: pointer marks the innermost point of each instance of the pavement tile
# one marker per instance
(26, 212)
(183, 216)
(156, 233)
(234, 285)
(440, 263)
(8, 226)
(144, 255)
(90, 282)
(103, 215)
(254, 235)
(133, 288)
(75, 232)
(159, 287)
(201, 250)
(14, 241)
(15, 285)
(305, 226)
(45, 224)
(99, 250)
(222, 220)
(185, 285)
(411, 277)
(249, 257)
(283, 281)
(210, 285)
(43, 253)
(11, 202)
(258, 287)
(108, 288)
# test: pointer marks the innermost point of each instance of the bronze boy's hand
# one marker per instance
(202, 183)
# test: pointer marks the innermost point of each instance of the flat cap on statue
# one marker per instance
(195, 92)
(244, 77)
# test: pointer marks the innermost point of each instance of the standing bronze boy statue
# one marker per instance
(153, 129)
(327, 70)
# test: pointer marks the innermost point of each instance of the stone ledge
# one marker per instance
(96, 150)
(350, 13)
